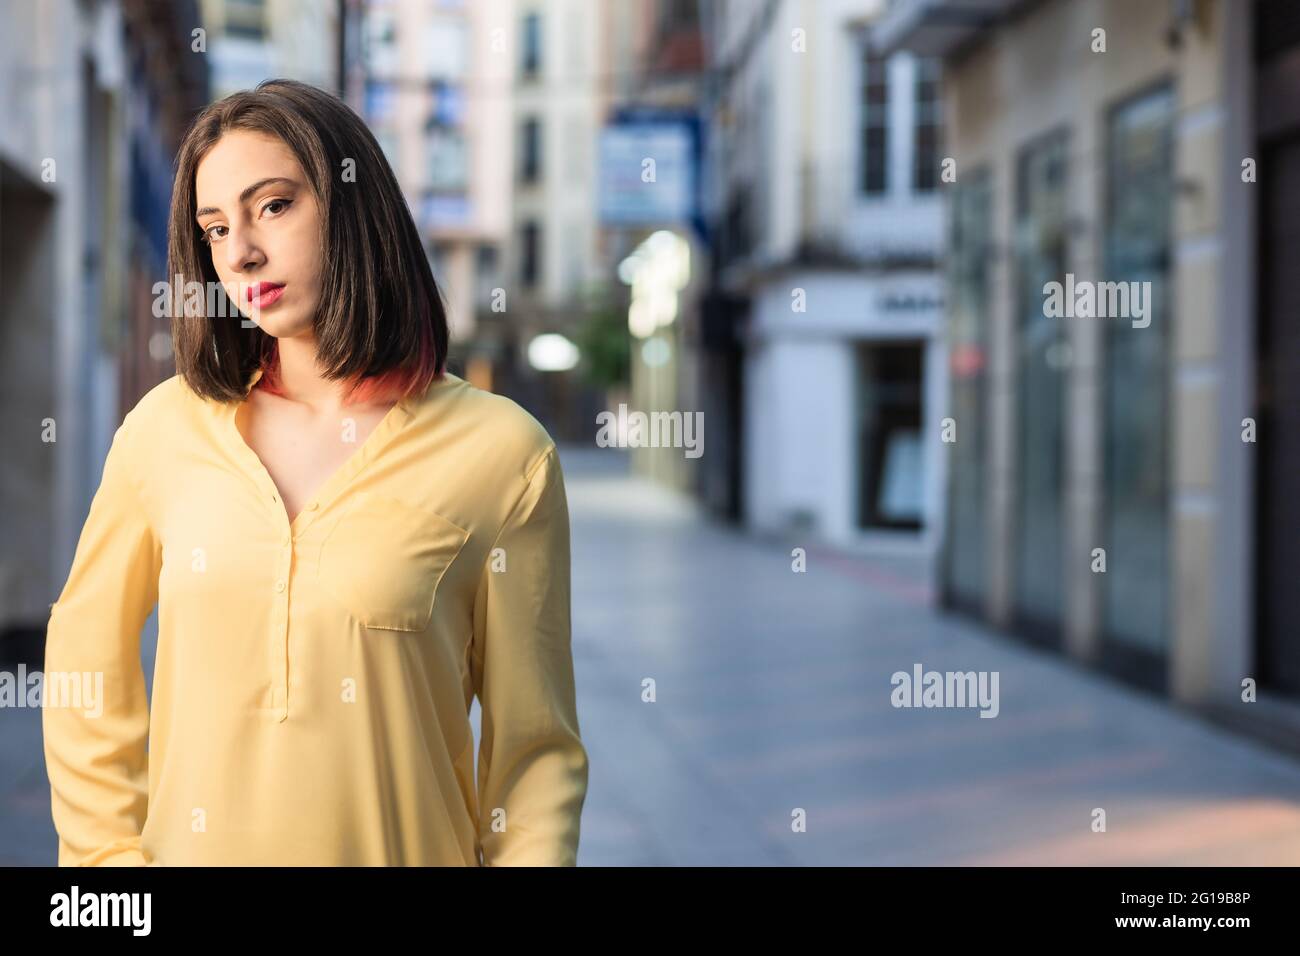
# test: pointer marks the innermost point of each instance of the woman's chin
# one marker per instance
(281, 327)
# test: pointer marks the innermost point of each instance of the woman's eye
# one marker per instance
(275, 207)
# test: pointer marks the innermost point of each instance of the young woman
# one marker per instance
(346, 544)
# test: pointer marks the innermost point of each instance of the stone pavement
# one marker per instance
(773, 693)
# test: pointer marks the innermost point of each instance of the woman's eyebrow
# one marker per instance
(248, 191)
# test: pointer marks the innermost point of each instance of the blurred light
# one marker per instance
(552, 352)
(656, 352)
(658, 269)
(627, 269)
(641, 318)
(967, 360)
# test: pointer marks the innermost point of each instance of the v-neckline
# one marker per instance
(328, 490)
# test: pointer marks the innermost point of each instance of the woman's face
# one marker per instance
(262, 225)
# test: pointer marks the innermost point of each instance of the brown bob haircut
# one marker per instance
(381, 316)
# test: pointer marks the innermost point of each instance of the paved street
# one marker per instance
(773, 693)
(772, 696)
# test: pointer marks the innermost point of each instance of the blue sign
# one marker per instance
(649, 169)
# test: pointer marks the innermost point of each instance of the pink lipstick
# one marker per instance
(263, 294)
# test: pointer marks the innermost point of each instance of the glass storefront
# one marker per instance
(1042, 364)
(1139, 169)
(971, 223)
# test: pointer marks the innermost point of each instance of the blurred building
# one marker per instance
(487, 111)
(249, 41)
(823, 168)
(95, 96)
(433, 82)
(552, 262)
(1135, 142)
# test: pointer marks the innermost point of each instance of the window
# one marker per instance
(531, 47)
(530, 155)
(486, 279)
(381, 102)
(448, 104)
(925, 153)
(448, 159)
(444, 211)
(246, 18)
(1139, 162)
(1041, 364)
(875, 125)
(971, 227)
(381, 51)
(530, 253)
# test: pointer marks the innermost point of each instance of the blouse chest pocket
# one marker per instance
(384, 559)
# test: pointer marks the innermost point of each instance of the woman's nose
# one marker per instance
(242, 254)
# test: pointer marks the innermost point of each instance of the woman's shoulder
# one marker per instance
(496, 422)
(170, 397)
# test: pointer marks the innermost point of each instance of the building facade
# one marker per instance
(1123, 481)
(433, 82)
(488, 113)
(552, 263)
(249, 41)
(824, 166)
(96, 97)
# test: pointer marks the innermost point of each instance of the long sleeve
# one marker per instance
(532, 773)
(95, 747)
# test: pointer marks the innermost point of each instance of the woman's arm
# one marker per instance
(95, 746)
(532, 775)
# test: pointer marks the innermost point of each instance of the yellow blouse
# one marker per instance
(314, 679)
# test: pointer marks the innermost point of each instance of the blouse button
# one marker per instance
(279, 585)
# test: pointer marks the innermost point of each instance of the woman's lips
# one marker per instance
(263, 294)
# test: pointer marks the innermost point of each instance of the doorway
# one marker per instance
(891, 482)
